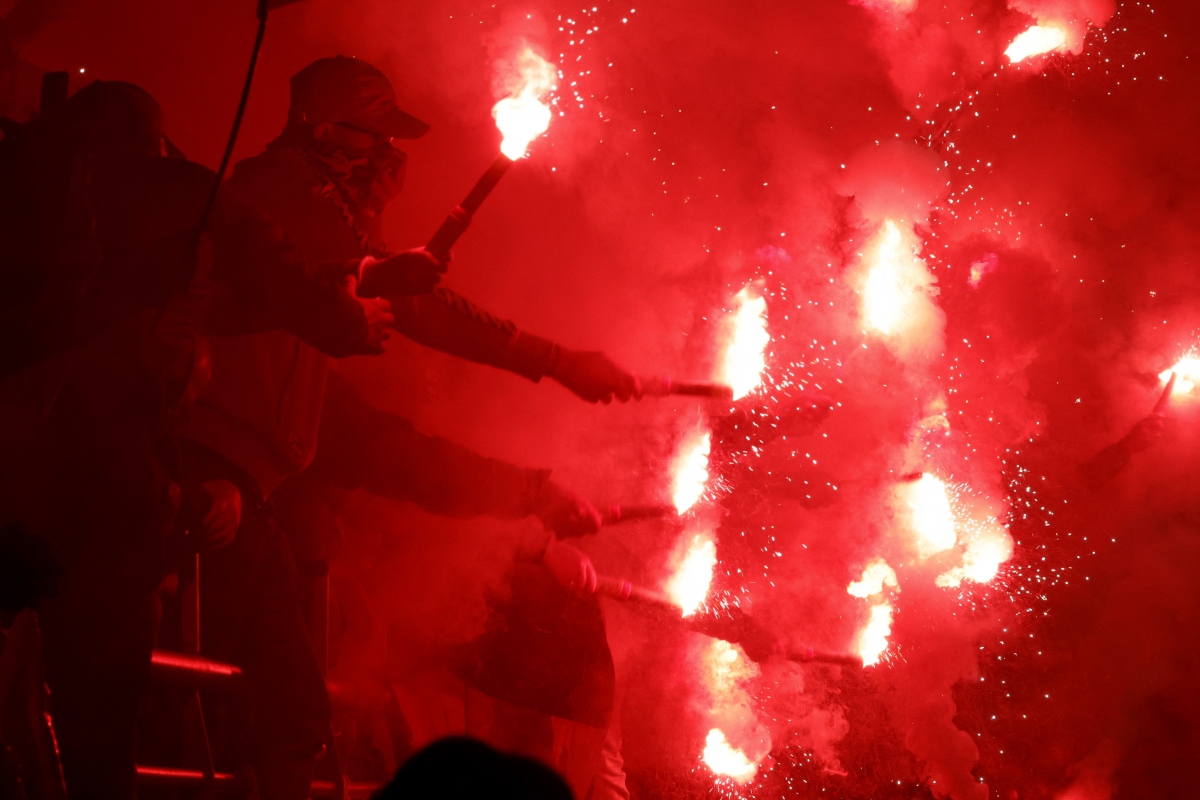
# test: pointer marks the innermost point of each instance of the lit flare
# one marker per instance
(883, 293)
(1035, 41)
(690, 471)
(873, 640)
(723, 759)
(1187, 374)
(745, 355)
(986, 550)
(932, 517)
(875, 576)
(688, 587)
(524, 115)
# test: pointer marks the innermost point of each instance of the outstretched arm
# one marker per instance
(452, 324)
(364, 447)
(1108, 463)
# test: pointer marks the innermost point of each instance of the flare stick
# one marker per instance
(617, 513)
(621, 589)
(661, 387)
(740, 630)
(460, 216)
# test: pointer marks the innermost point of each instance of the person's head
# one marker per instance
(458, 767)
(346, 105)
(115, 121)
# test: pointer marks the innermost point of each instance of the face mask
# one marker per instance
(389, 173)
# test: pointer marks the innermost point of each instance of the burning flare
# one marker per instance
(724, 760)
(523, 116)
(897, 293)
(932, 517)
(690, 471)
(876, 575)
(873, 641)
(986, 550)
(1187, 374)
(745, 355)
(883, 294)
(1035, 41)
(688, 587)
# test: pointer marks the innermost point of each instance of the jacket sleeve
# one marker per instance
(452, 324)
(362, 447)
(1105, 465)
(265, 282)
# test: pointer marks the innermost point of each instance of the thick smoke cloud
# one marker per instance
(1053, 207)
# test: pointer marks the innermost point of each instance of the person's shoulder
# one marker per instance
(274, 169)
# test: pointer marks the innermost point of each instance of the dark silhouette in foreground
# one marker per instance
(459, 767)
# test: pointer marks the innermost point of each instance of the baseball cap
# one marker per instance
(350, 91)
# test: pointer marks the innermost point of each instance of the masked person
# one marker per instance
(325, 180)
(108, 276)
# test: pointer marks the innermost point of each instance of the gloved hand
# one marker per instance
(380, 319)
(571, 568)
(221, 524)
(594, 377)
(413, 271)
(1146, 433)
(565, 513)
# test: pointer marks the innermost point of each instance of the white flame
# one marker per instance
(932, 518)
(690, 470)
(883, 293)
(688, 587)
(876, 575)
(987, 548)
(523, 116)
(724, 760)
(1035, 41)
(1187, 374)
(873, 641)
(745, 358)
(897, 292)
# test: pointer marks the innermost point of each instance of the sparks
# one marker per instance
(876, 575)
(932, 517)
(688, 587)
(1035, 41)
(523, 116)
(873, 641)
(724, 760)
(690, 470)
(744, 360)
(1187, 374)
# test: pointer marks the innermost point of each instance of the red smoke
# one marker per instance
(703, 146)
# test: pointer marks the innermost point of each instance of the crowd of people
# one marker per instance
(170, 391)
